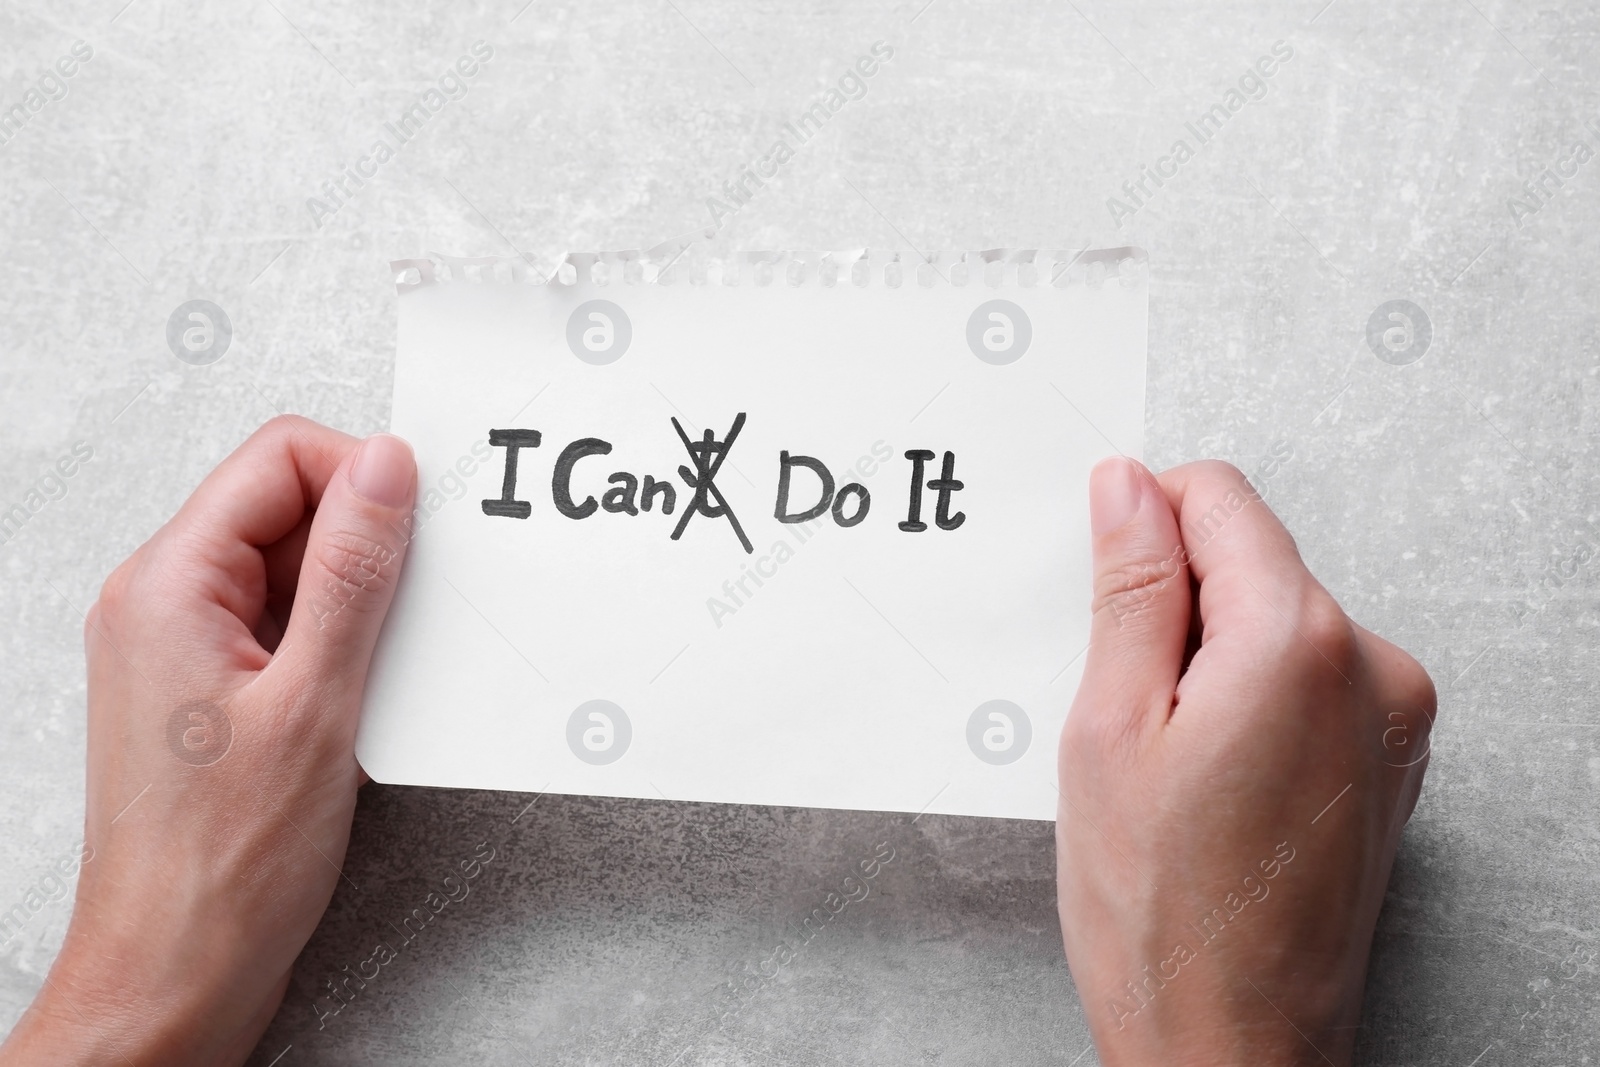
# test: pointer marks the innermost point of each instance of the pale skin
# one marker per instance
(227, 657)
(1230, 716)
(263, 596)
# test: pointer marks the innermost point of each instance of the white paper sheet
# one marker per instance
(859, 666)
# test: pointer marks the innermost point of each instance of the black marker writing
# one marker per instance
(669, 495)
(508, 505)
(786, 465)
(838, 504)
(561, 481)
(708, 456)
(619, 501)
(630, 494)
(944, 485)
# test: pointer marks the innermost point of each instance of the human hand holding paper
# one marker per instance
(226, 661)
(1236, 771)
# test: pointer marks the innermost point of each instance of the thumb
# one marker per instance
(352, 558)
(1141, 596)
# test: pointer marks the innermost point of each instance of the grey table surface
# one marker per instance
(1449, 502)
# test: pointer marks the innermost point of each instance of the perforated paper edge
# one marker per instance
(691, 261)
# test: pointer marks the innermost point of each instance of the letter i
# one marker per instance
(914, 523)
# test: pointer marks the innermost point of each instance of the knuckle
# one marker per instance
(1325, 626)
(280, 426)
(1217, 477)
(352, 569)
(1414, 688)
(1219, 469)
(1124, 589)
(116, 593)
(280, 435)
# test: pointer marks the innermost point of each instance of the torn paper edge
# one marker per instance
(690, 259)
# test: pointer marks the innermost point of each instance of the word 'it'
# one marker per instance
(630, 494)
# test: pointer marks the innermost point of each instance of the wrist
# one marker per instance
(1212, 1028)
(101, 1003)
(1203, 1046)
(63, 1027)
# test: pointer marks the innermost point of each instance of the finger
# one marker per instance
(352, 558)
(259, 492)
(1141, 596)
(1265, 620)
(282, 561)
(1244, 560)
(253, 498)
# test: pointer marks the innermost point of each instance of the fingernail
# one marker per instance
(384, 471)
(1115, 488)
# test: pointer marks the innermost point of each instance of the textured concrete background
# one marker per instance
(1449, 503)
